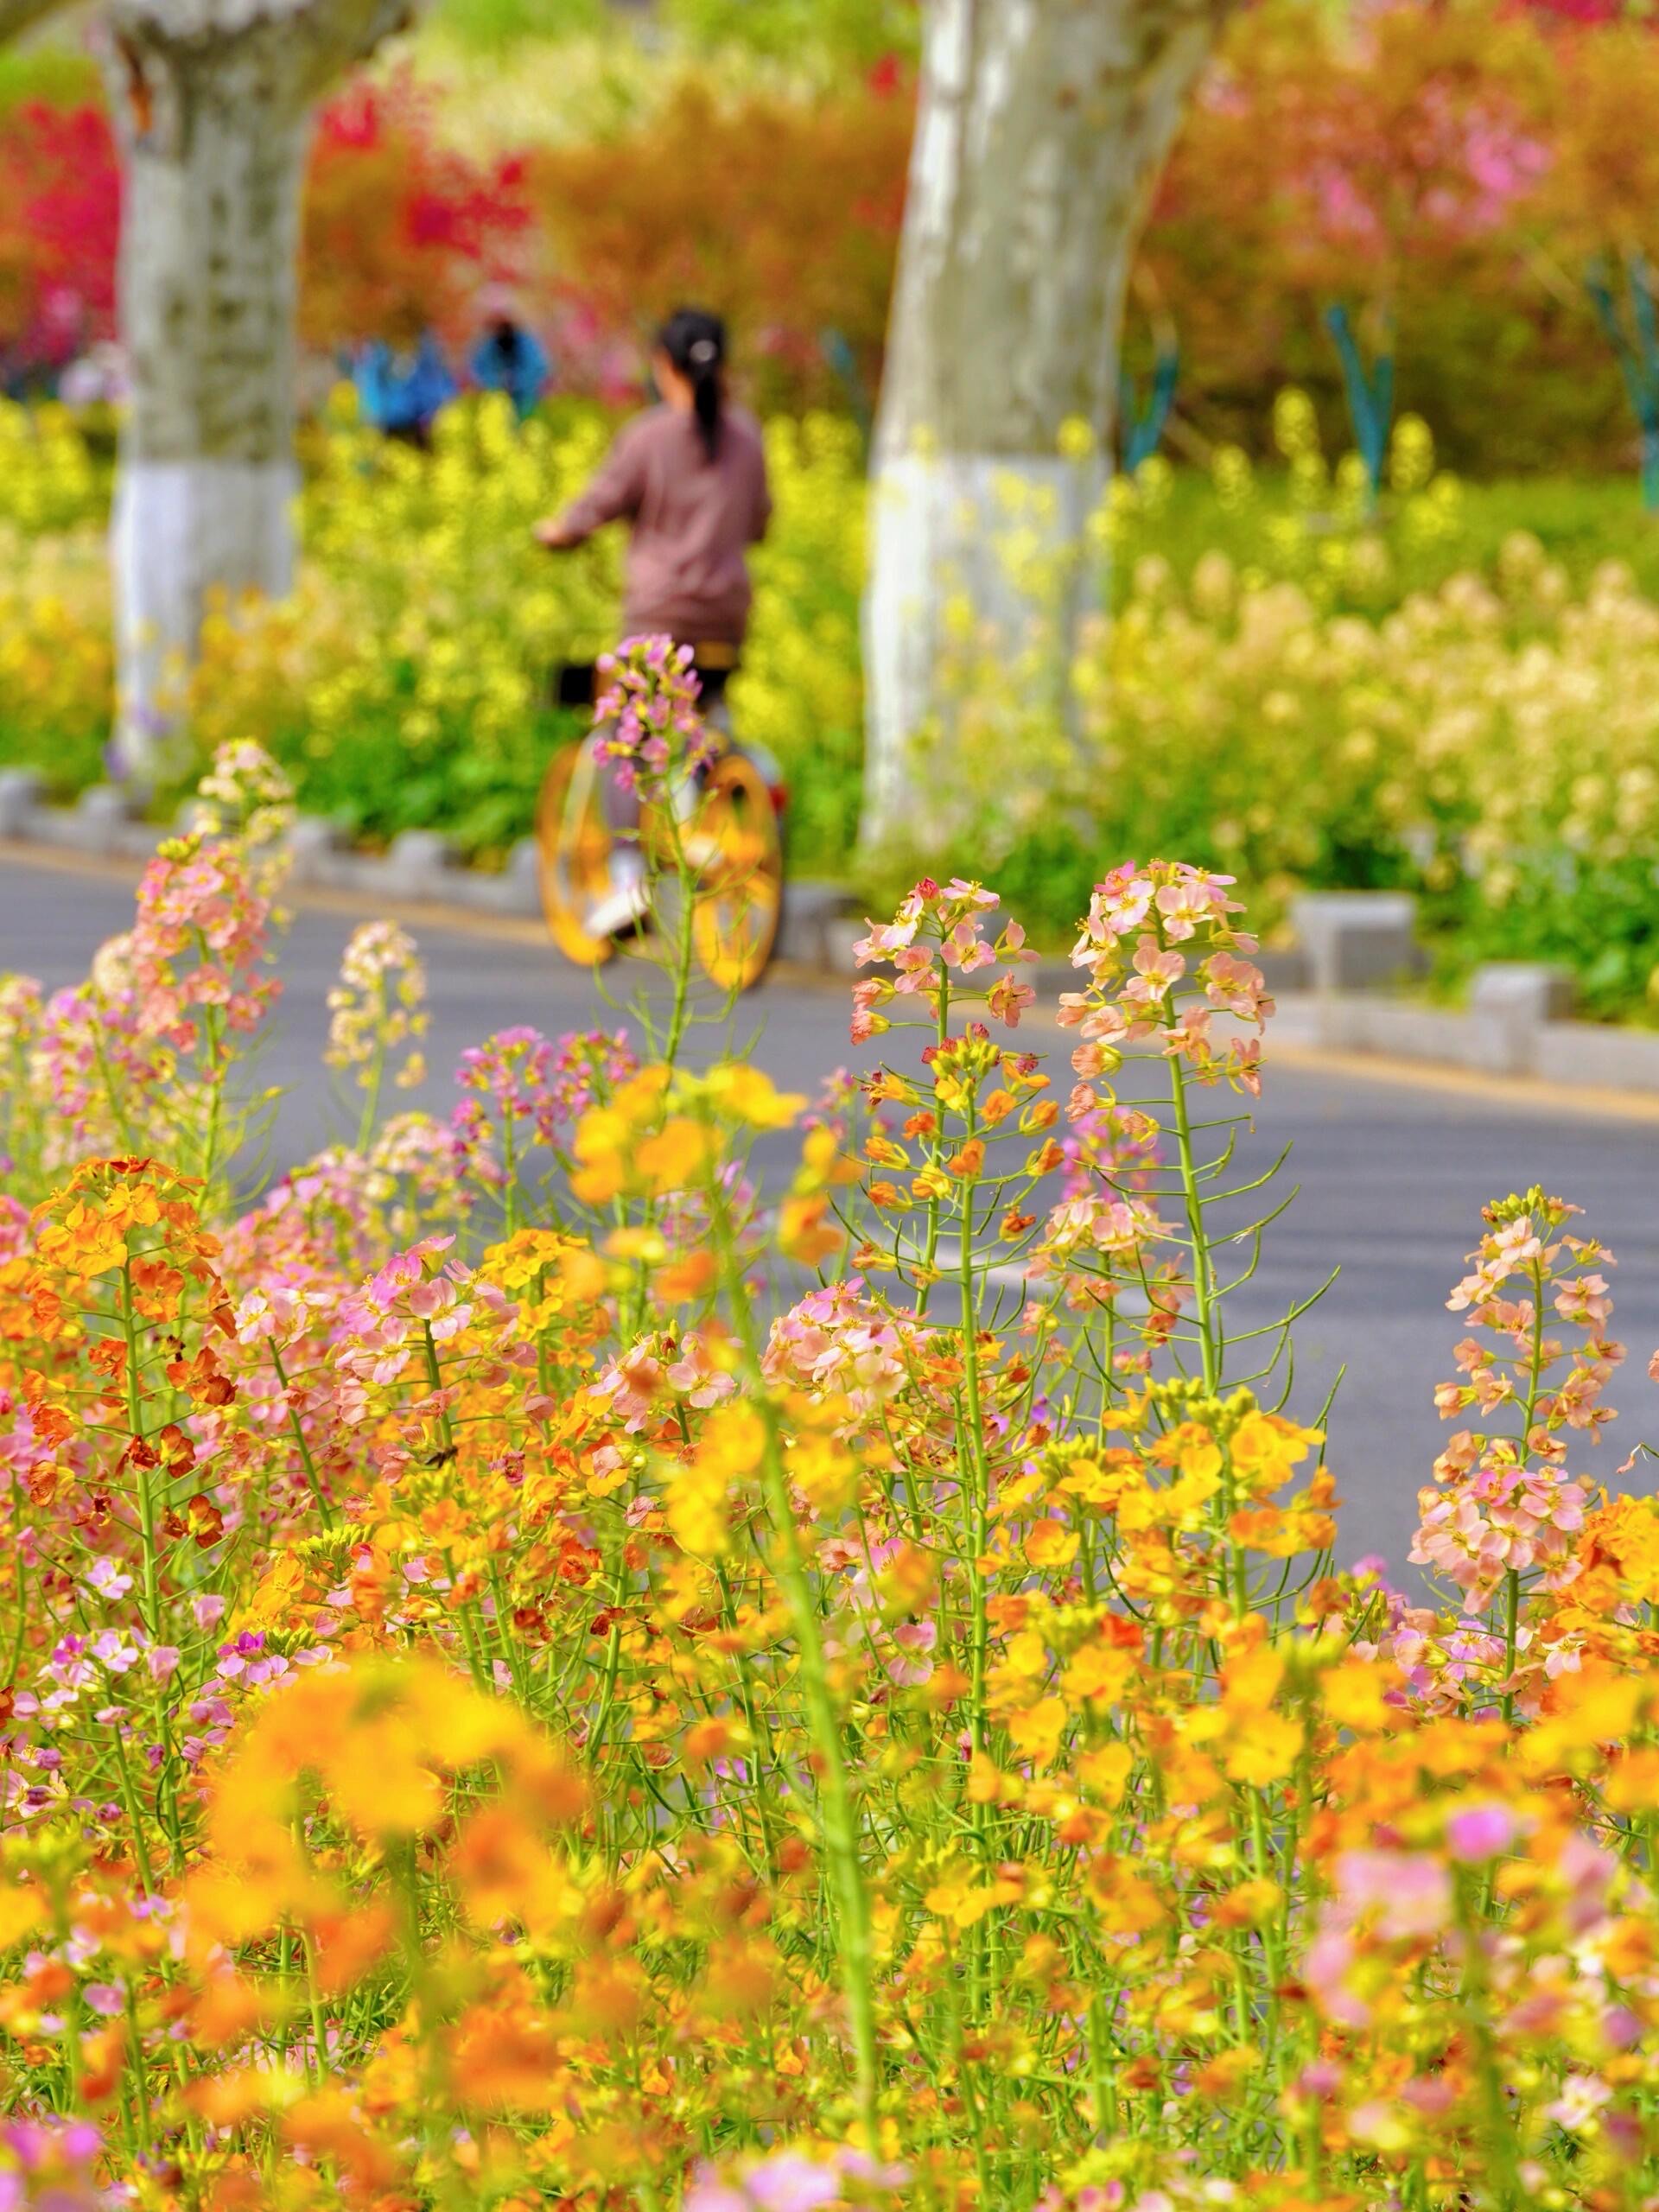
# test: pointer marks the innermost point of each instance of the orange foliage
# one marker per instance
(782, 215)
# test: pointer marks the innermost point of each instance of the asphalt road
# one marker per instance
(1392, 1173)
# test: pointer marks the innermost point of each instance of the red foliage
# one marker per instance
(1582, 11)
(59, 202)
(401, 231)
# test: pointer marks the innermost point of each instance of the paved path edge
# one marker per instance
(1511, 1040)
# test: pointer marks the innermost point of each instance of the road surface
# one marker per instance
(1392, 1173)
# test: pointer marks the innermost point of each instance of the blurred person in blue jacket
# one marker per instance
(509, 357)
(401, 396)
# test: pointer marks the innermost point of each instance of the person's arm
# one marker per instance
(614, 495)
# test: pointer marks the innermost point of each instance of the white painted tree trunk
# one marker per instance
(1041, 129)
(212, 99)
(207, 479)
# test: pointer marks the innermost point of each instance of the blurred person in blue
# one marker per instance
(509, 357)
(399, 395)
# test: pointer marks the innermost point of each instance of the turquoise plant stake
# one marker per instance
(1369, 396)
(1143, 431)
(1635, 343)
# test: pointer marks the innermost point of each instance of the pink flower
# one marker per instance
(1479, 1833)
(1404, 1894)
(1236, 987)
(1119, 906)
(866, 1023)
(198, 944)
(1008, 999)
(916, 970)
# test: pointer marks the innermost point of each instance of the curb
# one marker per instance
(1332, 984)
(1568, 1057)
(417, 870)
(420, 869)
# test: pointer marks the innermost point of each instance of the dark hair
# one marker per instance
(696, 342)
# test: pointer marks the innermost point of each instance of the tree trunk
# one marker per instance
(18, 16)
(1041, 129)
(212, 99)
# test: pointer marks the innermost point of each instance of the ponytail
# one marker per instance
(696, 342)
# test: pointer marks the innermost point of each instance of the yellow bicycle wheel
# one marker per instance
(739, 895)
(574, 839)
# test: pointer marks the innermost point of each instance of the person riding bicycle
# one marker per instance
(690, 477)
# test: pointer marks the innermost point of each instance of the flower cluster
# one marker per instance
(936, 939)
(1147, 933)
(378, 1008)
(1506, 1509)
(497, 1713)
(652, 734)
(246, 797)
(198, 947)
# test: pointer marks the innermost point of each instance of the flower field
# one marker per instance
(408, 681)
(544, 1671)
(1434, 696)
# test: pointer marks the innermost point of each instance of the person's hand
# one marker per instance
(551, 534)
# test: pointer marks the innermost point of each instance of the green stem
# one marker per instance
(1204, 1292)
(371, 1112)
(837, 1816)
(313, 1481)
(930, 1245)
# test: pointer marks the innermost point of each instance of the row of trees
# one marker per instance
(1041, 128)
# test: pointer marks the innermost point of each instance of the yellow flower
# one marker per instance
(1050, 1543)
(681, 1156)
(805, 1233)
(1353, 1694)
(823, 1162)
(958, 1898)
(1037, 1730)
(1101, 1672)
(1105, 1772)
(823, 1471)
(1267, 1751)
(1266, 1447)
(746, 1095)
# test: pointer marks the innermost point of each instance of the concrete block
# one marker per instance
(418, 865)
(1358, 1023)
(1357, 940)
(19, 795)
(101, 821)
(1509, 1000)
(312, 843)
(1589, 1056)
(514, 890)
(521, 880)
(1285, 969)
(810, 909)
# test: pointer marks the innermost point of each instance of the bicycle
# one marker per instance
(729, 826)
